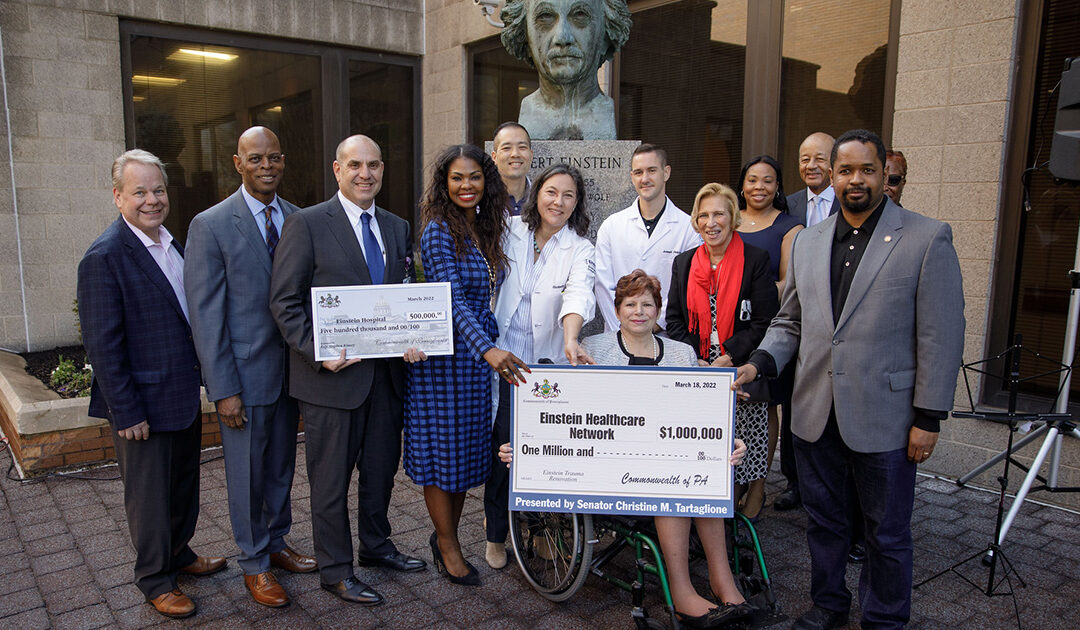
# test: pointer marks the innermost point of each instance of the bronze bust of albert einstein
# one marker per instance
(566, 41)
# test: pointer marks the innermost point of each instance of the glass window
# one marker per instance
(1048, 232)
(830, 83)
(381, 107)
(681, 87)
(499, 82)
(193, 92)
(191, 101)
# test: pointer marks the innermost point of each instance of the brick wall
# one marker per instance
(56, 450)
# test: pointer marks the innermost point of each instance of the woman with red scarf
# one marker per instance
(721, 301)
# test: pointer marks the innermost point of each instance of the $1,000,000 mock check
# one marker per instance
(623, 440)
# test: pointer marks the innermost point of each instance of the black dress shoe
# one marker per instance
(353, 590)
(788, 500)
(717, 617)
(395, 560)
(857, 554)
(820, 619)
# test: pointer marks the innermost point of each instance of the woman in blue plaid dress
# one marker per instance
(448, 407)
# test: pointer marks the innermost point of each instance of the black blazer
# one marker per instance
(318, 248)
(757, 286)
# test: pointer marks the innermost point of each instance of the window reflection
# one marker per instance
(191, 101)
(832, 74)
(681, 87)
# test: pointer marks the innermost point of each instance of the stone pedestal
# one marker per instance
(604, 164)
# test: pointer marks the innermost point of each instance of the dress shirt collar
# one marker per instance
(354, 211)
(844, 229)
(163, 235)
(827, 197)
(257, 206)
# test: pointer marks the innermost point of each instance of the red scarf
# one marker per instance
(725, 283)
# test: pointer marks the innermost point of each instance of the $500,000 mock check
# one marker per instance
(382, 320)
(623, 440)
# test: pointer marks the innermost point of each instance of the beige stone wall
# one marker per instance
(952, 96)
(451, 26)
(62, 67)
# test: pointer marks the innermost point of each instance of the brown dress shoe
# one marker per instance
(174, 604)
(204, 565)
(265, 589)
(291, 561)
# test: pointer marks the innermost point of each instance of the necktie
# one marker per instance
(271, 231)
(814, 215)
(372, 251)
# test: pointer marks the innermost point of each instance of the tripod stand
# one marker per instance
(1013, 419)
(1058, 424)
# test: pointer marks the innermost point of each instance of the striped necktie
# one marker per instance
(271, 231)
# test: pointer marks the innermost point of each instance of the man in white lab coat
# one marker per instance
(647, 235)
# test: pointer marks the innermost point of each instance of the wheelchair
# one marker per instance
(557, 551)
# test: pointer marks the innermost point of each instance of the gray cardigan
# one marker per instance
(604, 349)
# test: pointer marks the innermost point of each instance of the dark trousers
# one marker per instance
(338, 441)
(885, 486)
(260, 460)
(161, 499)
(497, 488)
(787, 447)
(782, 387)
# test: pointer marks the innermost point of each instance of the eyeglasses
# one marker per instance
(894, 180)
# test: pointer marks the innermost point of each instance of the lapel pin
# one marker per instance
(888, 239)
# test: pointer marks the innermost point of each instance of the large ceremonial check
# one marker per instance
(382, 320)
(623, 440)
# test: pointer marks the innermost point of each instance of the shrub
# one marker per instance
(70, 380)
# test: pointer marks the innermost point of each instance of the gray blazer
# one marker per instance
(897, 344)
(797, 202)
(318, 248)
(227, 283)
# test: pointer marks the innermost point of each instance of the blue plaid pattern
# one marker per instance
(448, 406)
(135, 336)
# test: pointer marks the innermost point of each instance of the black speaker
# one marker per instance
(1065, 145)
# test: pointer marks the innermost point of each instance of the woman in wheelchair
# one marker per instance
(637, 304)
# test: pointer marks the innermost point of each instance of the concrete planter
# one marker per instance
(47, 432)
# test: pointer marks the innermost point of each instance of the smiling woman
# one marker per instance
(546, 299)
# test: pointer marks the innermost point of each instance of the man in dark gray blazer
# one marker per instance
(353, 410)
(227, 280)
(874, 309)
(818, 200)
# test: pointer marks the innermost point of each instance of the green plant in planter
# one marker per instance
(70, 380)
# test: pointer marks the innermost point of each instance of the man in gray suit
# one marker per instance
(353, 410)
(227, 282)
(874, 308)
(818, 200)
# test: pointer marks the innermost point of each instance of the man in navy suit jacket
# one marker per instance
(227, 280)
(146, 378)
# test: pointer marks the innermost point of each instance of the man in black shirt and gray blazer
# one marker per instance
(873, 308)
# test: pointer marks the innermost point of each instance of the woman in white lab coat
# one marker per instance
(543, 303)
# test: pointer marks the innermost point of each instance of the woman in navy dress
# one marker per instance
(767, 225)
(448, 408)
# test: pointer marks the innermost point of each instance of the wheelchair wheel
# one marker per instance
(553, 550)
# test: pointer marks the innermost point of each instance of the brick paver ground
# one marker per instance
(66, 561)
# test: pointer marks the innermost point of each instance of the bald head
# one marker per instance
(359, 169)
(814, 155)
(356, 142)
(260, 162)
